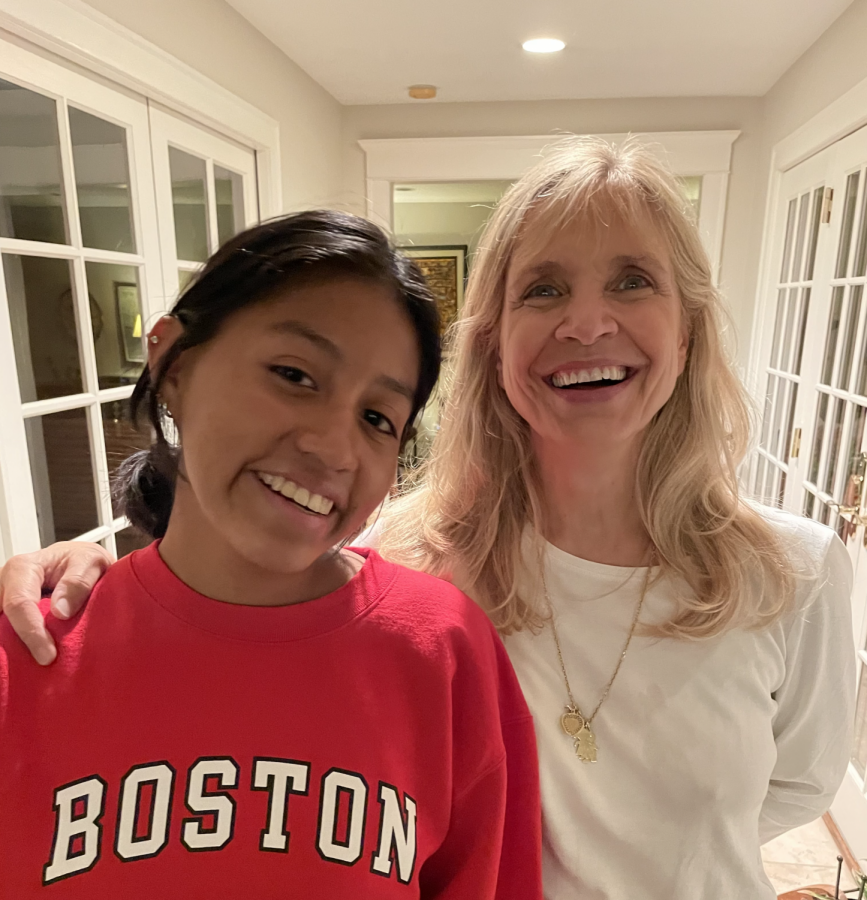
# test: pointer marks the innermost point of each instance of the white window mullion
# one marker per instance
(70, 193)
(211, 194)
(86, 349)
(37, 248)
(99, 464)
(19, 527)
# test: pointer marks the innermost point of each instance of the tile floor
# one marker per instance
(804, 856)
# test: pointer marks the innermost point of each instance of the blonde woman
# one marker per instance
(687, 656)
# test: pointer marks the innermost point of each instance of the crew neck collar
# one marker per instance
(272, 624)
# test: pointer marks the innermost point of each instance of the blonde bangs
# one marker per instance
(466, 511)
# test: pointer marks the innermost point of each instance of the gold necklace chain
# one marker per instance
(573, 722)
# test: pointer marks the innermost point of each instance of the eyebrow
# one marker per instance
(289, 326)
(548, 266)
(300, 329)
(645, 260)
(397, 387)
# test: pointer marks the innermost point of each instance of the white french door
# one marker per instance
(205, 185)
(100, 209)
(812, 456)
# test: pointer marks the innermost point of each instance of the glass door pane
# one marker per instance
(229, 190)
(43, 313)
(189, 203)
(31, 185)
(61, 465)
(101, 160)
(205, 185)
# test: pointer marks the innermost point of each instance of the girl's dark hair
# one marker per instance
(251, 268)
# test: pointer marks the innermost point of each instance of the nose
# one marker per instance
(328, 437)
(587, 318)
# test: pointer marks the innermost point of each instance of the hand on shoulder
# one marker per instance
(70, 569)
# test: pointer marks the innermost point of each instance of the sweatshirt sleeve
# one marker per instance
(493, 847)
(815, 703)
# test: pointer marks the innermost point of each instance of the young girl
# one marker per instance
(241, 707)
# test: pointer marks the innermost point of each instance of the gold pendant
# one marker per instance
(572, 721)
(585, 744)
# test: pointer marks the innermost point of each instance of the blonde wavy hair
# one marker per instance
(467, 508)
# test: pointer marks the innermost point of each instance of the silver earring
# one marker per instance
(154, 339)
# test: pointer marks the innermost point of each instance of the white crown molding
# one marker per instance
(75, 31)
(846, 114)
(506, 158)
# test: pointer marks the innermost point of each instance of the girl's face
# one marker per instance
(592, 338)
(291, 420)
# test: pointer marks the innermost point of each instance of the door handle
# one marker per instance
(853, 497)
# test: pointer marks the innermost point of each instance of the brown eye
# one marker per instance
(293, 375)
(379, 422)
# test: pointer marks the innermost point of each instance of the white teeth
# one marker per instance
(291, 491)
(302, 496)
(585, 376)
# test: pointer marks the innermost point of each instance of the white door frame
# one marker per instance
(705, 153)
(76, 32)
(843, 117)
(846, 114)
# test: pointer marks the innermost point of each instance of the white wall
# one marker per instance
(836, 62)
(433, 119)
(426, 224)
(210, 36)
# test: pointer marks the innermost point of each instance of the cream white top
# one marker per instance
(705, 749)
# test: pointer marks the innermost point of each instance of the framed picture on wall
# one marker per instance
(445, 269)
(129, 321)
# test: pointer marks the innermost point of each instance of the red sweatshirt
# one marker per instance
(373, 743)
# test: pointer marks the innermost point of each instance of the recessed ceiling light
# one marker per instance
(543, 45)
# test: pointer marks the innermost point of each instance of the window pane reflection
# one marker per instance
(130, 539)
(229, 189)
(62, 472)
(185, 276)
(117, 328)
(122, 439)
(31, 195)
(188, 200)
(102, 181)
(44, 330)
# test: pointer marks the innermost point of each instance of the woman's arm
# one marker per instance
(816, 703)
(70, 568)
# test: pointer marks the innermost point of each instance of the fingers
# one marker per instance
(72, 568)
(81, 570)
(20, 589)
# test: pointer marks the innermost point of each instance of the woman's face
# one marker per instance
(291, 420)
(592, 338)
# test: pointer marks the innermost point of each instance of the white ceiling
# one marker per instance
(370, 51)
